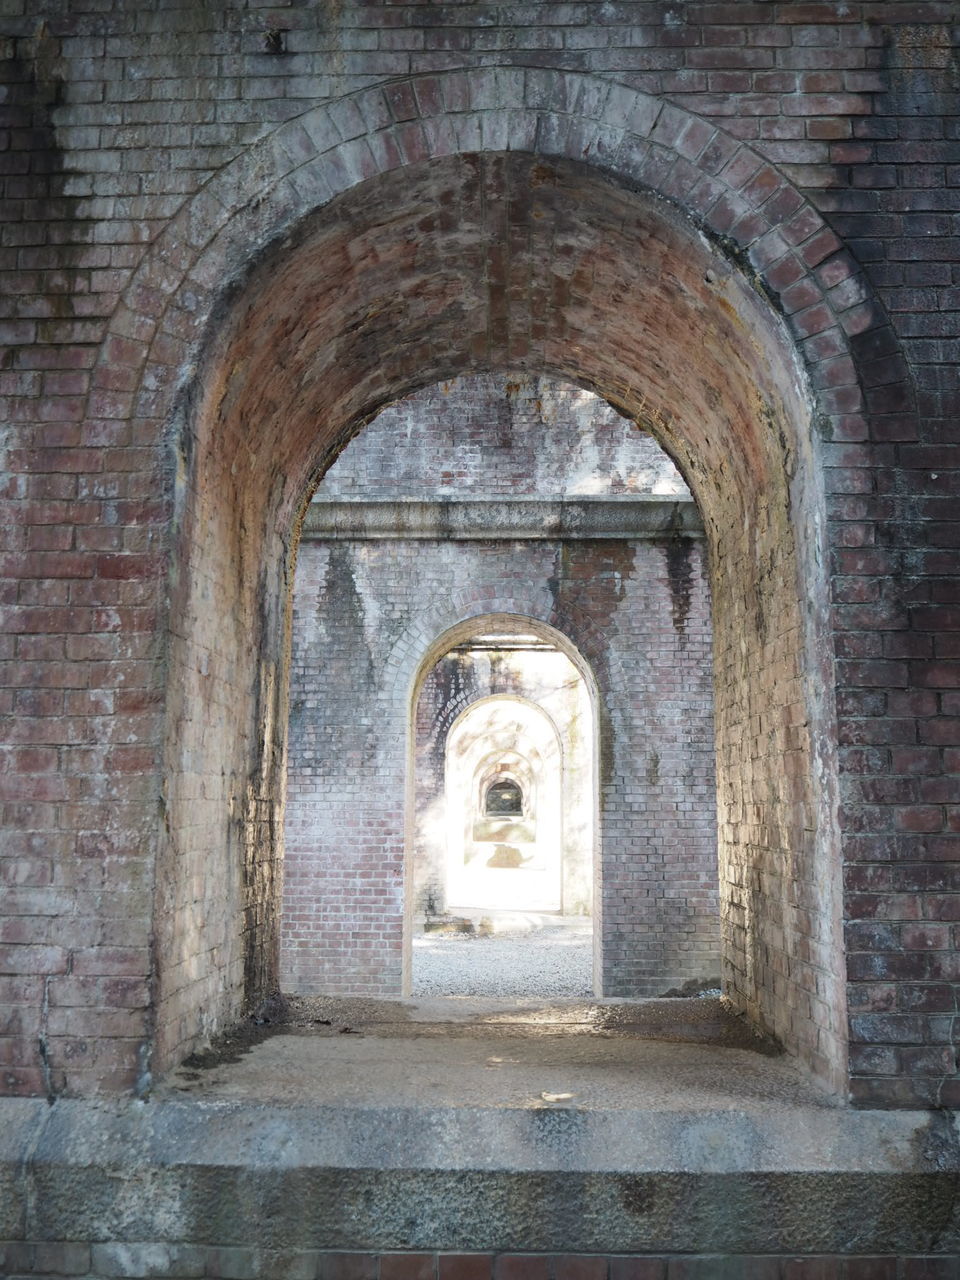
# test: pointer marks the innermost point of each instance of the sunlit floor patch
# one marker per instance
(530, 955)
(501, 1053)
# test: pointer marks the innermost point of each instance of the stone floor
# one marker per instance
(505, 1054)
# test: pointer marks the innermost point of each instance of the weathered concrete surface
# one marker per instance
(569, 1128)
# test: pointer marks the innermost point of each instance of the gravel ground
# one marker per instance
(540, 961)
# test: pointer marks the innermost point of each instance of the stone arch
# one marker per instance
(532, 768)
(582, 144)
(500, 792)
(447, 622)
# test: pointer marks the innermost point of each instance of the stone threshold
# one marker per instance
(275, 1177)
(572, 1130)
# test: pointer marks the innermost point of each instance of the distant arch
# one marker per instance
(502, 797)
(536, 771)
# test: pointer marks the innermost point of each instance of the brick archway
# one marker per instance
(439, 630)
(529, 159)
(722, 183)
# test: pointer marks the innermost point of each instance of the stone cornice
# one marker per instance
(528, 519)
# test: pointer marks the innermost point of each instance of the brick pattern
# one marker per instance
(782, 964)
(817, 138)
(191, 1262)
(343, 902)
(501, 435)
(895, 588)
(343, 911)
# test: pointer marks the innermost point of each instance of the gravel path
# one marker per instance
(550, 961)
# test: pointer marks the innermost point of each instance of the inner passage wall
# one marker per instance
(370, 607)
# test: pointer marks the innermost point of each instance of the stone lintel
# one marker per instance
(486, 519)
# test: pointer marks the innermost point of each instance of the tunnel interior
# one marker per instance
(473, 264)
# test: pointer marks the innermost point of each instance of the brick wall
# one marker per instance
(183, 1261)
(357, 602)
(344, 856)
(154, 154)
(501, 435)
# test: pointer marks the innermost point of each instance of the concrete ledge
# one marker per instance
(521, 518)
(225, 1173)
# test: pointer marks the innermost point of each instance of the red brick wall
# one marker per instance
(355, 605)
(496, 436)
(154, 154)
(71, 1258)
(44, 1259)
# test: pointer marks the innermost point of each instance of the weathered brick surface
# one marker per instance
(636, 612)
(760, 549)
(186, 1262)
(152, 153)
(345, 814)
(501, 436)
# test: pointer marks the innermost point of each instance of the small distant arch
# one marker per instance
(518, 777)
(503, 798)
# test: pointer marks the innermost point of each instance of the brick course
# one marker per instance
(190, 1262)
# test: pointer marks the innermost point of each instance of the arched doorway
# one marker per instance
(503, 786)
(597, 575)
(504, 830)
(618, 292)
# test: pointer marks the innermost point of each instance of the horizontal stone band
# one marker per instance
(576, 518)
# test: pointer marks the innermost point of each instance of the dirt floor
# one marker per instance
(519, 954)
(494, 1052)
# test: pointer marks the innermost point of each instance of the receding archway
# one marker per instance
(539, 749)
(504, 788)
(509, 261)
(577, 518)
